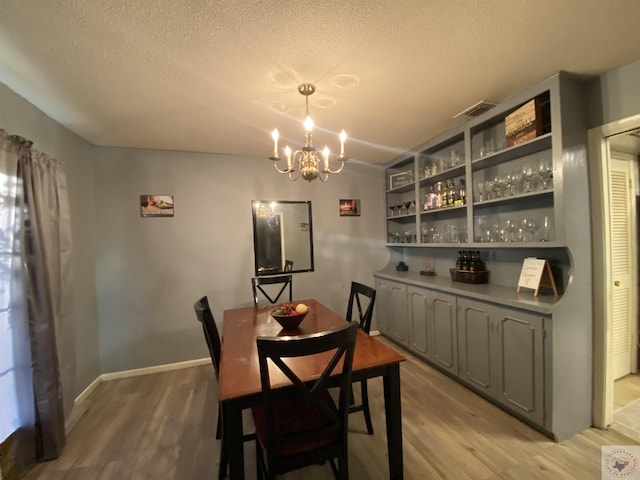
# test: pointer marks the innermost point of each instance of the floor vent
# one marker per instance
(477, 109)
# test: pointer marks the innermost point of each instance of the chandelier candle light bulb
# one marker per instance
(274, 135)
(307, 162)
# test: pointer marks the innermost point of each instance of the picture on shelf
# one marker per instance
(156, 205)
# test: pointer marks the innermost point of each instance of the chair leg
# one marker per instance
(343, 467)
(224, 461)
(365, 406)
(259, 461)
(219, 427)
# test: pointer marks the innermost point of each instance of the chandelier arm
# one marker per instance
(328, 170)
(294, 175)
(275, 165)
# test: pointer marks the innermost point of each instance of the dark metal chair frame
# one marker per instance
(302, 425)
(361, 294)
(258, 282)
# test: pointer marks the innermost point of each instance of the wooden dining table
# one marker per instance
(239, 377)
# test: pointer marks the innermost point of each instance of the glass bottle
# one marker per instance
(462, 196)
(438, 197)
(452, 193)
(459, 261)
(465, 260)
(445, 194)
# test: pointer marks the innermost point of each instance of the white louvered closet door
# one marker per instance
(622, 218)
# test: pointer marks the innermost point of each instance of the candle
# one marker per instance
(274, 135)
(326, 157)
(308, 124)
(287, 151)
(343, 137)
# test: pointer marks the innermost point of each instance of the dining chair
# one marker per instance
(302, 425)
(288, 265)
(363, 298)
(212, 337)
(258, 284)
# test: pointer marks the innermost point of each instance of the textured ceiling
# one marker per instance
(218, 76)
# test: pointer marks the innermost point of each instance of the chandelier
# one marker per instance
(307, 162)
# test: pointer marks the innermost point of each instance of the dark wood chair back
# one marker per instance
(363, 298)
(288, 265)
(211, 335)
(302, 425)
(284, 282)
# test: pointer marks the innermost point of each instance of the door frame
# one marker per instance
(602, 396)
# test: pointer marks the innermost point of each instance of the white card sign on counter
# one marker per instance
(536, 273)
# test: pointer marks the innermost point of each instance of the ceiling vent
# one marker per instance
(477, 109)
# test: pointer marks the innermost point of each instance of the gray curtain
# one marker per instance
(47, 242)
(43, 230)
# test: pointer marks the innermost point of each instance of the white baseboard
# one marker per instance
(155, 369)
(88, 391)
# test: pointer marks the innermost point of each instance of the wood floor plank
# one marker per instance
(162, 426)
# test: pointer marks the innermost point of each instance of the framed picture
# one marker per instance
(156, 205)
(349, 208)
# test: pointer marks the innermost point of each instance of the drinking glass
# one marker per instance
(546, 229)
(511, 226)
(530, 225)
(480, 196)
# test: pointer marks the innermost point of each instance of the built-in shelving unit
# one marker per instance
(503, 194)
(520, 198)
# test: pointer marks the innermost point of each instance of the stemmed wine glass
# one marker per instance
(527, 179)
(530, 225)
(545, 172)
(511, 226)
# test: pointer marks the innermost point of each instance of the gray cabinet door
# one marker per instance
(444, 331)
(475, 345)
(391, 309)
(383, 306)
(433, 333)
(520, 362)
(502, 354)
(419, 334)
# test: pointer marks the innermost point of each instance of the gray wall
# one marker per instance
(17, 116)
(150, 271)
(614, 95)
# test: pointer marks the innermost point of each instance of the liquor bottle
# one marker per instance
(462, 196)
(480, 266)
(473, 263)
(438, 197)
(465, 261)
(445, 194)
(459, 261)
(452, 193)
(426, 202)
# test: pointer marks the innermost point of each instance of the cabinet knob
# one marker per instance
(617, 283)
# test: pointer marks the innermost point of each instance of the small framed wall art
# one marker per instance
(156, 205)
(349, 208)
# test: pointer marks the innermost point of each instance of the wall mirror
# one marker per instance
(282, 237)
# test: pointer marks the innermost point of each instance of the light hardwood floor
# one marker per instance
(162, 426)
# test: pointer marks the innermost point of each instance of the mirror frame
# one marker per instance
(254, 204)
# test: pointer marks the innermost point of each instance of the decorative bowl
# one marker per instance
(288, 322)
